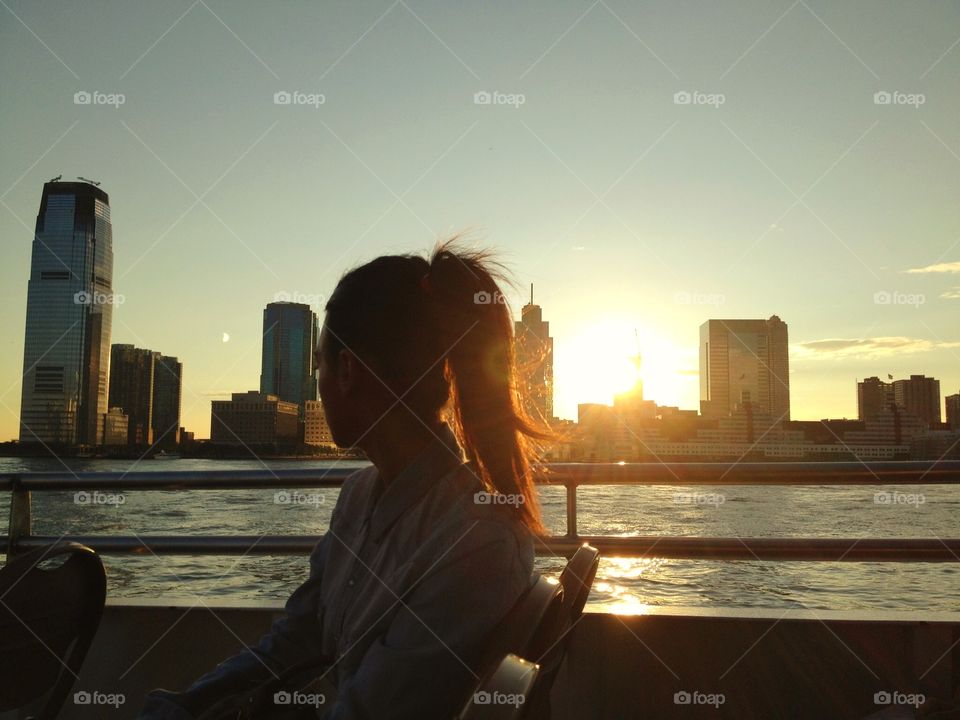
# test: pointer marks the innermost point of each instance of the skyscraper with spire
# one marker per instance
(534, 352)
(69, 317)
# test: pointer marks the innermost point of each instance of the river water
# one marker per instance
(622, 585)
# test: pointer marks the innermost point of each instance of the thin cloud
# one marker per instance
(868, 347)
(951, 294)
(949, 267)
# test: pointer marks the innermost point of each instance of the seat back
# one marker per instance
(529, 626)
(503, 693)
(576, 580)
(51, 600)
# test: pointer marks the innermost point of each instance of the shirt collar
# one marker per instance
(440, 455)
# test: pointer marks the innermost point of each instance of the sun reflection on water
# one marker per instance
(614, 597)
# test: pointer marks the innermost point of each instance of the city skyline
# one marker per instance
(755, 351)
(728, 347)
(635, 199)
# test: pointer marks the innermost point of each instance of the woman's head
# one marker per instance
(432, 338)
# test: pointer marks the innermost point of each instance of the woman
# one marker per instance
(426, 550)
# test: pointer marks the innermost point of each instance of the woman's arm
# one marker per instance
(292, 639)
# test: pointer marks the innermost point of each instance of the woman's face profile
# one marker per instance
(331, 393)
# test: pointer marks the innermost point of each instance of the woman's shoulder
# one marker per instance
(492, 518)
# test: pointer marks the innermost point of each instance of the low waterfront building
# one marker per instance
(316, 430)
(254, 418)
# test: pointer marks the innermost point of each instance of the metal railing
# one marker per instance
(571, 476)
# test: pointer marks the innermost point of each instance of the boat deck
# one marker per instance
(764, 664)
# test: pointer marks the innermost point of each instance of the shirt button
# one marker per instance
(351, 582)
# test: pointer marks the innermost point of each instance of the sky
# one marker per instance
(647, 167)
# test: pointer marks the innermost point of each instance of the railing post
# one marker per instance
(571, 508)
(20, 525)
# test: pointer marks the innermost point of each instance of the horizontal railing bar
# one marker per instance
(781, 549)
(578, 474)
(178, 479)
(693, 548)
(759, 473)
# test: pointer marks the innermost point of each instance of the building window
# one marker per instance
(48, 379)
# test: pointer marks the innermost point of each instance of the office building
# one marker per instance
(534, 356)
(254, 418)
(744, 361)
(919, 395)
(316, 431)
(69, 317)
(873, 396)
(115, 427)
(167, 392)
(288, 367)
(953, 411)
(132, 373)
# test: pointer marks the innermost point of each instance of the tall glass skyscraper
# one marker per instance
(69, 316)
(745, 361)
(167, 391)
(290, 337)
(132, 373)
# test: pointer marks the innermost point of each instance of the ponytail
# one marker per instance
(487, 410)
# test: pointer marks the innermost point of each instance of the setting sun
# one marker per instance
(601, 361)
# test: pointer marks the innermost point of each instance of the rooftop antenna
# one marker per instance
(531, 293)
(57, 178)
(636, 337)
(86, 180)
